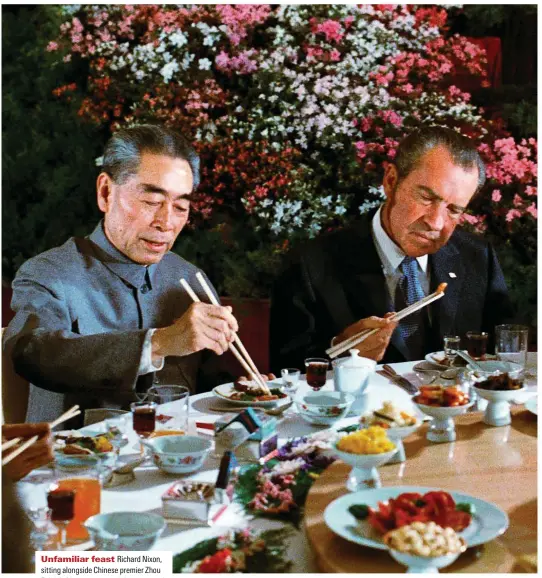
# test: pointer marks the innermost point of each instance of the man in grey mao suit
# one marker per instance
(97, 316)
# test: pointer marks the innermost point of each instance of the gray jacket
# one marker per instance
(81, 314)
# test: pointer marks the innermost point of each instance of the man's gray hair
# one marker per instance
(123, 151)
(461, 148)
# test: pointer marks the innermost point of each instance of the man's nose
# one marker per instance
(435, 216)
(163, 218)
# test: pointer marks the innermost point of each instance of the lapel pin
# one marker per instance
(452, 275)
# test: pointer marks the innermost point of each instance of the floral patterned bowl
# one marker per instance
(125, 530)
(178, 454)
(324, 407)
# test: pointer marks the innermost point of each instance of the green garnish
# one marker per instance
(466, 507)
(419, 503)
(359, 511)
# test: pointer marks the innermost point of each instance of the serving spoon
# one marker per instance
(273, 411)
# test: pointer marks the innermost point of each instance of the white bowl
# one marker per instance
(324, 407)
(125, 530)
(364, 474)
(498, 394)
(497, 412)
(444, 412)
(178, 454)
(442, 428)
(424, 564)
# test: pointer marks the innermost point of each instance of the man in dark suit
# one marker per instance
(98, 316)
(340, 283)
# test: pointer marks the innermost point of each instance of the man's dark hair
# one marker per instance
(123, 151)
(416, 144)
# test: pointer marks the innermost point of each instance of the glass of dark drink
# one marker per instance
(62, 505)
(477, 344)
(316, 372)
(143, 417)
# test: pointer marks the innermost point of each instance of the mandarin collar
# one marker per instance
(121, 265)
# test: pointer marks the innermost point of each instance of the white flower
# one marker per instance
(287, 467)
(204, 64)
(168, 70)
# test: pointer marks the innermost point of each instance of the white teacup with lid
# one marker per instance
(351, 375)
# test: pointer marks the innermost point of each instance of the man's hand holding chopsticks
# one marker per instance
(375, 345)
(203, 326)
(37, 455)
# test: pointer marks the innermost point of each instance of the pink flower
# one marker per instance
(512, 214)
(331, 29)
(530, 191)
(531, 209)
(52, 46)
(518, 201)
(335, 55)
(496, 196)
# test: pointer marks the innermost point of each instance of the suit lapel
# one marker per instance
(446, 263)
(364, 280)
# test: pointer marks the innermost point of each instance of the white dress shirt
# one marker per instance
(391, 257)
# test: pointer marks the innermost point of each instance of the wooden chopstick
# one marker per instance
(19, 450)
(254, 374)
(238, 342)
(363, 335)
(72, 412)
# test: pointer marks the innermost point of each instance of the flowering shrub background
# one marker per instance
(295, 110)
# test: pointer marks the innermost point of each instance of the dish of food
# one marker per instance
(425, 539)
(372, 440)
(532, 405)
(440, 396)
(486, 521)
(389, 416)
(248, 393)
(499, 382)
(438, 358)
(73, 443)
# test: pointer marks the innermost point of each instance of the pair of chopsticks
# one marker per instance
(72, 412)
(247, 363)
(363, 335)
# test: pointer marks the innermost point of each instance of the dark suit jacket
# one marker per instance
(337, 279)
(81, 314)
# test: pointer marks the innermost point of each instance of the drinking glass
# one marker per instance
(290, 378)
(116, 427)
(61, 501)
(511, 343)
(143, 417)
(451, 345)
(43, 529)
(172, 419)
(82, 475)
(477, 344)
(316, 372)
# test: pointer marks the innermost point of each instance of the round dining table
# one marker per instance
(497, 464)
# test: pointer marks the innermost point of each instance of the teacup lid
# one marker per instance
(355, 360)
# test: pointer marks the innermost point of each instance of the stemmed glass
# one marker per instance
(316, 372)
(116, 427)
(61, 502)
(41, 532)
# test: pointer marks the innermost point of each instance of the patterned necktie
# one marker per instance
(409, 290)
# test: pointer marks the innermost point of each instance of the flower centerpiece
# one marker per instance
(295, 110)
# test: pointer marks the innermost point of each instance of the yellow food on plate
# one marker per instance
(372, 440)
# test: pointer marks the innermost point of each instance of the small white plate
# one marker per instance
(532, 405)
(488, 522)
(226, 389)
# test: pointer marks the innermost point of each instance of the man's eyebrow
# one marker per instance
(150, 188)
(437, 196)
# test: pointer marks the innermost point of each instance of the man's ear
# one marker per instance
(103, 191)
(390, 180)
